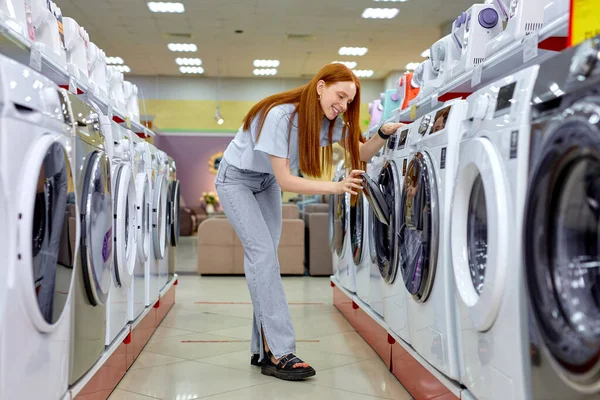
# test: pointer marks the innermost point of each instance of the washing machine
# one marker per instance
(93, 280)
(140, 284)
(119, 146)
(359, 245)
(383, 194)
(338, 223)
(164, 173)
(173, 223)
(160, 190)
(37, 169)
(560, 228)
(485, 238)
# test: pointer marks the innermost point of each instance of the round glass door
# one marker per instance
(53, 228)
(418, 227)
(125, 225)
(159, 218)
(97, 240)
(357, 228)
(386, 236)
(562, 249)
(173, 212)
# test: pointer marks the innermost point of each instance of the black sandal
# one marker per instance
(254, 361)
(286, 369)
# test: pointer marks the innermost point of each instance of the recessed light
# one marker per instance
(426, 53)
(363, 73)
(349, 64)
(186, 47)
(188, 61)
(352, 51)
(412, 66)
(392, 1)
(114, 61)
(266, 63)
(265, 71)
(164, 7)
(380, 13)
(191, 70)
(122, 68)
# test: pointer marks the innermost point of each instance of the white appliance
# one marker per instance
(485, 237)
(521, 18)
(338, 223)
(444, 55)
(97, 72)
(130, 92)
(116, 95)
(143, 186)
(560, 252)
(164, 174)
(160, 187)
(93, 281)
(555, 9)
(423, 231)
(76, 46)
(18, 17)
(119, 147)
(422, 78)
(38, 179)
(49, 31)
(471, 31)
(383, 194)
(359, 246)
(173, 207)
(376, 112)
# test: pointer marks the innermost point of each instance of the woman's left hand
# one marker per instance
(390, 128)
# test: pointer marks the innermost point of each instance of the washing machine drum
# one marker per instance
(51, 222)
(337, 222)
(562, 246)
(384, 199)
(96, 228)
(418, 227)
(357, 228)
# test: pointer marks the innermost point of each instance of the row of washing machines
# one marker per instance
(476, 236)
(88, 220)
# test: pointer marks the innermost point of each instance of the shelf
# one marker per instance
(27, 53)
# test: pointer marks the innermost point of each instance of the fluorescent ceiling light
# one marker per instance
(114, 61)
(265, 72)
(349, 64)
(162, 7)
(426, 53)
(187, 47)
(191, 70)
(380, 13)
(122, 68)
(412, 66)
(266, 63)
(188, 61)
(363, 73)
(352, 51)
(392, 1)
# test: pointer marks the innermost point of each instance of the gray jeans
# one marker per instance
(252, 203)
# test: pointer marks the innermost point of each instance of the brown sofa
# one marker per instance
(220, 251)
(317, 252)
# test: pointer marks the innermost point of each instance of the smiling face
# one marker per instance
(335, 97)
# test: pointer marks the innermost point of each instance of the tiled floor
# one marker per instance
(169, 368)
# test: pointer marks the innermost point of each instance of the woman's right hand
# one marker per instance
(350, 184)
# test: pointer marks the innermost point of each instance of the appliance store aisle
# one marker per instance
(201, 350)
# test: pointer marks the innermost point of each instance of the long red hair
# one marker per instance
(314, 159)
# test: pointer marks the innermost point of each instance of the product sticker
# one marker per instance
(413, 112)
(530, 47)
(514, 142)
(476, 77)
(443, 161)
(35, 58)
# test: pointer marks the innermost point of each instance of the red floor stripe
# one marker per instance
(250, 303)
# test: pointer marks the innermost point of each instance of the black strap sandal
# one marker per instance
(254, 361)
(290, 368)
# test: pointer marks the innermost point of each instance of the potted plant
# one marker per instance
(210, 200)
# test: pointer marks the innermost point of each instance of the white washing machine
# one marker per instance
(119, 147)
(359, 245)
(93, 281)
(38, 178)
(163, 173)
(140, 286)
(485, 237)
(423, 230)
(560, 228)
(160, 188)
(174, 205)
(383, 194)
(338, 224)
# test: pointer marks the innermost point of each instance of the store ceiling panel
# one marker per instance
(303, 34)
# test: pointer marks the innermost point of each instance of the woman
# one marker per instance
(285, 131)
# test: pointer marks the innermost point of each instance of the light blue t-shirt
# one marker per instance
(245, 153)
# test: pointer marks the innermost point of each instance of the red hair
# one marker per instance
(314, 160)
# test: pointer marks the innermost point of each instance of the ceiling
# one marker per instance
(127, 29)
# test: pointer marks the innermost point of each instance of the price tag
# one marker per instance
(434, 99)
(413, 112)
(72, 85)
(585, 21)
(35, 60)
(476, 77)
(127, 123)
(530, 47)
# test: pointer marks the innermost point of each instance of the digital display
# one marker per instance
(403, 136)
(505, 96)
(441, 117)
